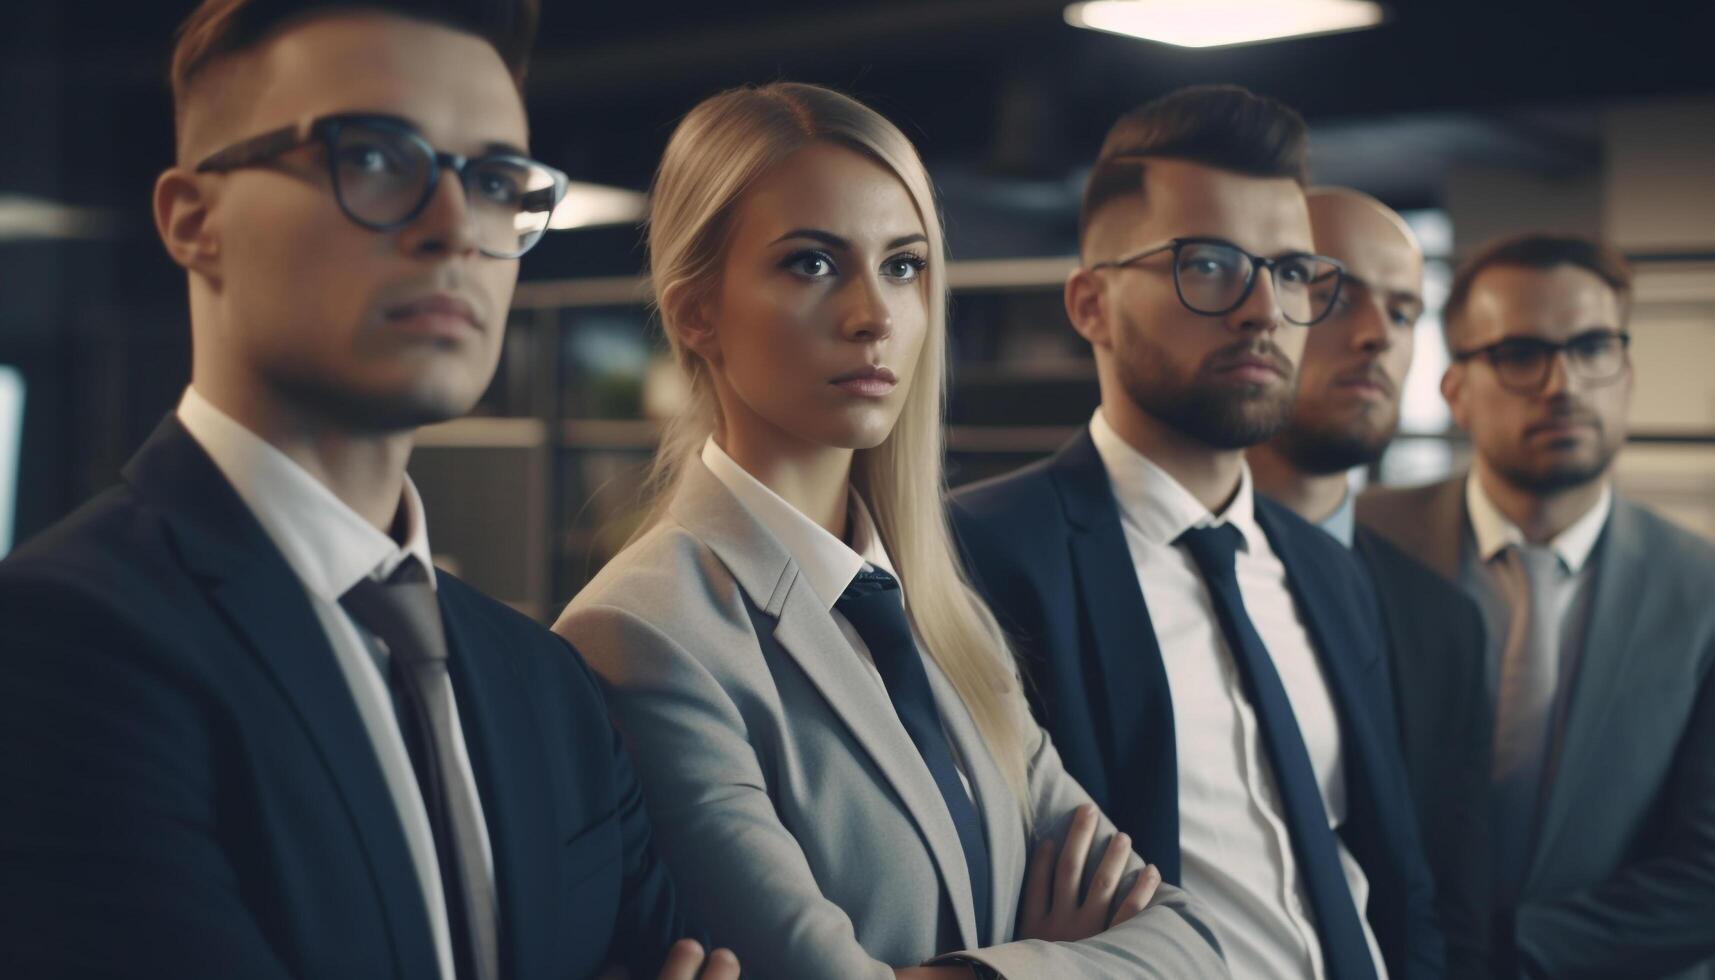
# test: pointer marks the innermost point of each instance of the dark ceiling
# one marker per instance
(1006, 101)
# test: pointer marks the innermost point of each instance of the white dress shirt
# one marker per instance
(331, 548)
(828, 564)
(1236, 850)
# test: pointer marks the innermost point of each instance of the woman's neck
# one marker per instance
(813, 478)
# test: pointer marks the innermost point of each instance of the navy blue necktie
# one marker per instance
(1345, 952)
(872, 604)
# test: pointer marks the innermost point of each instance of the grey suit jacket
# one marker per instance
(801, 825)
(1622, 879)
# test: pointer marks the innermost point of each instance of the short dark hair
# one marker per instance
(220, 27)
(1536, 250)
(1222, 126)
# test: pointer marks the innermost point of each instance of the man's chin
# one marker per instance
(402, 411)
(1562, 471)
(1323, 451)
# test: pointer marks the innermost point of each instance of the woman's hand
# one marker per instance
(1052, 909)
(686, 959)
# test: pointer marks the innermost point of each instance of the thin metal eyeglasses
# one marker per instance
(383, 173)
(1523, 364)
(1214, 277)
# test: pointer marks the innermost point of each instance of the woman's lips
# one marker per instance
(875, 381)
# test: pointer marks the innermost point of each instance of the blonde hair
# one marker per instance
(717, 153)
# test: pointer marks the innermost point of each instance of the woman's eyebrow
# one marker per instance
(827, 238)
(832, 240)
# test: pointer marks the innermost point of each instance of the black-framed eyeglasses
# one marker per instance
(1523, 364)
(383, 173)
(1214, 277)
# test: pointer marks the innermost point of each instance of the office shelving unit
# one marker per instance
(545, 477)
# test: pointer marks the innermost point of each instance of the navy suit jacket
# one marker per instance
(1436, 642)
(1044, 546)
(187, 789)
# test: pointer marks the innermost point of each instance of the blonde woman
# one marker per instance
(843, 774)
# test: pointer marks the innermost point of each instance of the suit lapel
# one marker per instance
(806, 631)
(1326, 603)
(1414, 666)
(994, 800)
(266, 606)
(1134, 694)
(1621, 596)
(496, 715)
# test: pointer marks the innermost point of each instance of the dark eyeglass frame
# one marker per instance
(1257, 262)
(267, 147)
(1553, 351)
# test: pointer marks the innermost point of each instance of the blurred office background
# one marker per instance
(1471, 118)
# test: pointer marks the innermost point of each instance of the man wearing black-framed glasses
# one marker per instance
(247, 729)
(1208, 662)
(384, 173)
(1601, 655)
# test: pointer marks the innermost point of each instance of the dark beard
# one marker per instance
(1219, 417)
(1326, 451)
(1566, 474)
(1555, 479)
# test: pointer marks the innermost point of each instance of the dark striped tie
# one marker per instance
(404, 614)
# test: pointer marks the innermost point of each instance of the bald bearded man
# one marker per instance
(1350, 382)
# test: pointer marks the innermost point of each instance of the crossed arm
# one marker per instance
(714, 814)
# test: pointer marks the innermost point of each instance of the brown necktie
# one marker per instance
(404, 614)
(1524, 706)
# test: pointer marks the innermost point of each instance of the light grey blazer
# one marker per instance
(1621, 881)
(797, 817)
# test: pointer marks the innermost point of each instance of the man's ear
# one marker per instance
(690, 316)
(1085, 307)
(1453, 390)
(182, 218)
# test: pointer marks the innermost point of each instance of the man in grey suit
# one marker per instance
(1601, 659)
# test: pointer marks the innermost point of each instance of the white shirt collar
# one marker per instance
(1342, 522)
(328, 545)
(827, 563)
(1158, 504)
(1494, 531)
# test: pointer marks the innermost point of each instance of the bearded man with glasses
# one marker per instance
(1209, 664)
(1601, 654)
(246, 728)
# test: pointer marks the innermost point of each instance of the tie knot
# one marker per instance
(1539, 563)
(872, 603)
(1214, 549)
(868, 582)
(1540, 560)
(409, 572)
(401, 611)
